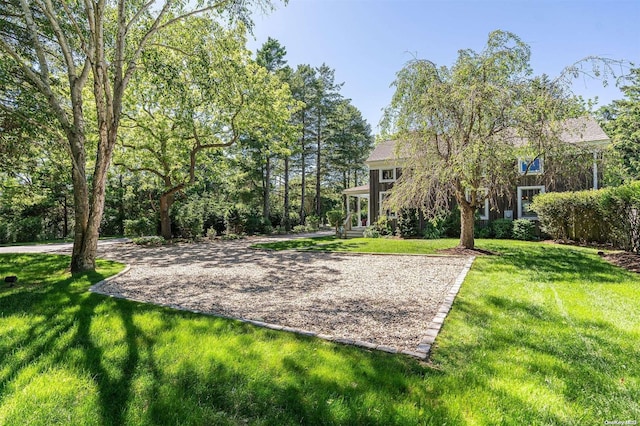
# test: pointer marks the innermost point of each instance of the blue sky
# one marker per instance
(368, 41)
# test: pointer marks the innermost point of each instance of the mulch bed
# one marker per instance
(625, 259)
(460, 251)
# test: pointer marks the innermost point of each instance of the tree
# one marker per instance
(457, 127)
(327, 100)
(59, 48)
(271, 56)
(621, 121)
(348, 145)
(182, 104)
(304, 86)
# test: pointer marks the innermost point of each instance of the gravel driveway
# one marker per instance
(379, 299)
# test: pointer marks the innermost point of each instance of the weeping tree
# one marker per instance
(460, 129)
(62, 49)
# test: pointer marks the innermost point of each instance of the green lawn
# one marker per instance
(541, 334)
(362, 245)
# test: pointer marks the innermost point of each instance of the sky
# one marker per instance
(367, 42)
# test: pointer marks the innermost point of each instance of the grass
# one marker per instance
(362, 245)
(541, 334)
(52, 241)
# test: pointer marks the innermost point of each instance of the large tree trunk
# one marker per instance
(285, 219)
(304, 166)
(79, 259)
(266, 190)
(166, 201)
(318, 168)
(467, 218)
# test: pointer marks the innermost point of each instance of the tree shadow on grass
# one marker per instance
(579, 363)
(549, 263)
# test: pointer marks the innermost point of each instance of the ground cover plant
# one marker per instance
(540, 334)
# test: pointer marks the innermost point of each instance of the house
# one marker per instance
(365, 202)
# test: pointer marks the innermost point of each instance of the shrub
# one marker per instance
(383, 226)
(621, 210)
(299, 229)
(483, 232)
(313, 223)
(190, 219)
(335, 218)
(232, 236)
(4, 233)
(451, 224)
(577, 216)
(150, 240)
(139, 227)
(211, 234)
(408, 224)
(27, 229)
(502, 228)
(371, 232)
(434, 227)
(294, 219)
(524, 229)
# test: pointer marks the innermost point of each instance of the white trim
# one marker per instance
(595, 169)
(520, 189)
(383, 164)
(391, 215)
(530, 172)
(380, 171)
(485, 214)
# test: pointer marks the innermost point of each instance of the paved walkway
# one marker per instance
(56, 247)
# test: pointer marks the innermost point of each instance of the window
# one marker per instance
(484, 209)
(535, 168)
(525, 197)
(388, 175)
(385, 212)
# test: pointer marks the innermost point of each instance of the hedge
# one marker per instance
(609, 215)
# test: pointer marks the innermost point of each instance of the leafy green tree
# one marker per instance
(183, 104)
(271, 56)
(62, 49)
(304, 87)
(349, 145)
(457, 127)
(327, 101)
(621, 121)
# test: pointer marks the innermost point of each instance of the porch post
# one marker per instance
(358, 222)
(595, 169)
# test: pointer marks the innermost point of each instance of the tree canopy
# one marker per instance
(621, 121)
(458, 127)
(181, 104)
(63, 50)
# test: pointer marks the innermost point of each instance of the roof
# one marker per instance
(382, 151)
(583, 130)
(363, 189)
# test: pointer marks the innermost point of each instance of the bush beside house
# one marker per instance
(610, 215)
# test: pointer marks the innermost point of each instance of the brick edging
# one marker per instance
(96, 287)
(421, 352)
(435, 325)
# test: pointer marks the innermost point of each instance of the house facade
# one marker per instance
(365, 202)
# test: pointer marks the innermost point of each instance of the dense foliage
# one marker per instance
(461, 128)
(621, 121)
(610, 215)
